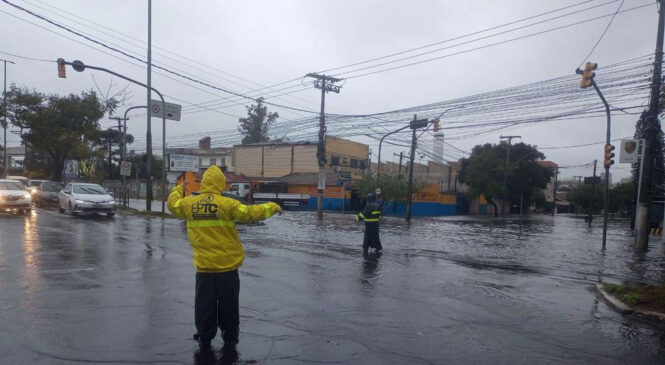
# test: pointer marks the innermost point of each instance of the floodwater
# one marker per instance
(460, 290)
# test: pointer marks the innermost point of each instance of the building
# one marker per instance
(277, 159)
(15, 157)
(549, 190)
(208, 156)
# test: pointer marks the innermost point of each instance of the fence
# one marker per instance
(135, 190)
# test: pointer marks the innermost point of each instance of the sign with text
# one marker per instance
(125, 168)
(171, 111)
(629, 152)
(592, 180)
(183, 163)
(322, 179)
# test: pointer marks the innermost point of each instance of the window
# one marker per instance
(354, 163)
(213, 161)
(200, 162)
(247, 186)
(334, 160)
(363, 164)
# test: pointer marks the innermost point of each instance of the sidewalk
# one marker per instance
(139, 204)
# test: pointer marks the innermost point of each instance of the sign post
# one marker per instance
(170, 111)
(125, 168)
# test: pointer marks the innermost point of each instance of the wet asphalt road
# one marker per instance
(445, 291)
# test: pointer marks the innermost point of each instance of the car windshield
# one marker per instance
(53, 187)
(89, 189)
(10, 185)
(34, 183)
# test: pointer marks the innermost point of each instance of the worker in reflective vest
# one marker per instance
(371, 215)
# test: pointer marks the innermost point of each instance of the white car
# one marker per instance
(86, 198)
(13, 197)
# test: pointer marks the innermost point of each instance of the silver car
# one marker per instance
(86, 198)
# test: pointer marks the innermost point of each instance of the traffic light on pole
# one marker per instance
(588, 74)
(62, 73)
(436, 124)
(609, 155)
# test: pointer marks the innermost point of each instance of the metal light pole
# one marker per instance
(378, 170)
(4, 123)
(124, 145)
(80, 67)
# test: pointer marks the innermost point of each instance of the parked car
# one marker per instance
(13, 197)
(85, 198)
(32, 186)
(46, 193)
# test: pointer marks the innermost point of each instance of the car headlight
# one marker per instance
(110, 202)
(26, 195)
(80, 201)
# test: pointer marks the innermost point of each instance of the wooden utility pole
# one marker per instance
(326, 84)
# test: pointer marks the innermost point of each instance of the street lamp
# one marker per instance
(378, 169)
(80, 67)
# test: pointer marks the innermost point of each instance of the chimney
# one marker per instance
(204, 143)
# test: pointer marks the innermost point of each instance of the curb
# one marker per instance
(614, 302)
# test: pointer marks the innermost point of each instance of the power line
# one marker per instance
(602, 35)
(114, 49)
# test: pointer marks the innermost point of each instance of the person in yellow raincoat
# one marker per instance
(217, 250)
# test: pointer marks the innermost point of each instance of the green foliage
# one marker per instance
(139, 164)
(486, 170)
(110, 141)
(633, 299)
(392, 186)
(254, 128)
(59, 128)
(582, 197)
(622, 197)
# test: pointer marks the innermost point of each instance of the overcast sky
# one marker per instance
(240, 45)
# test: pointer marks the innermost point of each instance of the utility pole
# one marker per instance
(579, 193)
(505, 173)
(148, 135)
(644, 198)
(399, 170)
(326, 84)
(593, 192)
(556, 183)
(414, 125)
(4, 123)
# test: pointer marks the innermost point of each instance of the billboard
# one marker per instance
(183, 163)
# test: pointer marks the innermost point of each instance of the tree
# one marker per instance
(393, 187)
(139, 164)
(254, 128)
(485, 172)
(582, 197)
(111, 142)
(60, 127)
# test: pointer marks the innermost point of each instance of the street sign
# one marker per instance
(344, 176)
(172, 110)
(629, 151)
(378, 191)
(322, 179)
(420, 123)
(592, 180)
(125, 168)
(183, 163)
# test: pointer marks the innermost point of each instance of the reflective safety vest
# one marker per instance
(371, 213)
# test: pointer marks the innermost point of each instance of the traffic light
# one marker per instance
(588, 74)
(62, 73)
(436, 124)
(609, 155)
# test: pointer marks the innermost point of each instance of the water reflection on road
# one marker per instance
(445, 290)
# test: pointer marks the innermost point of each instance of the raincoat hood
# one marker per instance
(213, 181)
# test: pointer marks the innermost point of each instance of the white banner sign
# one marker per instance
(322, 179)
(172, 111)
(125, 168)
(183, 163)
(629, 151)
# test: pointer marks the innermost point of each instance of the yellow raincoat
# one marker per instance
(211, 220)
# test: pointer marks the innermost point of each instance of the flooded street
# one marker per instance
(450, 290)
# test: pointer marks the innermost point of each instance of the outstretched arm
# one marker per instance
(175, 197)
(251, 213)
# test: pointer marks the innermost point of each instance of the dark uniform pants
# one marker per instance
(371, 239)
(216, 304)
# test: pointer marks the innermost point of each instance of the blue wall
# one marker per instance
(420, 209)
(334, 204)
